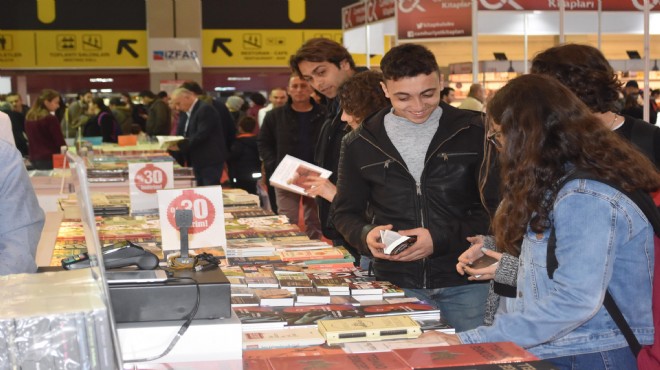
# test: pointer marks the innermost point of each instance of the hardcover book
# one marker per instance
(310, 315)
(464, 354)
(356, 361)
(369, 329)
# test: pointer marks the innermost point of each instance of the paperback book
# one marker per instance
(369, 329)
(464, 354)
(292, 173)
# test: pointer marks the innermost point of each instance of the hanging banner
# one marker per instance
(357, 14)
(175, 55)
(571, 5)
(145, 179)
(429, 19)
(208, 224)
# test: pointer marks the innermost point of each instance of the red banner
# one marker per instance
(376, 10)
(427, 19)
(353, 16)
(571, 5)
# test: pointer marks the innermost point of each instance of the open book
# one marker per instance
(292, 173)
(395, 243)
(166, 141)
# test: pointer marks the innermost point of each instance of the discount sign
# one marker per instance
(145, 179)
(208, 224)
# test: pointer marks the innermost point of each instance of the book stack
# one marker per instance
(416, 310)
(260, 278)
(369, 329)
(293, 280)
(312, 296)
(274, 297)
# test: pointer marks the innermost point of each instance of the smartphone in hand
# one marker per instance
(483, 261)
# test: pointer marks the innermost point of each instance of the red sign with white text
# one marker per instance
(428, 19)
(356, 15)
(378, 10)
(353, 16)
(571, 5)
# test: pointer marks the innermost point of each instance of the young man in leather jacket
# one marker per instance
(417, 166)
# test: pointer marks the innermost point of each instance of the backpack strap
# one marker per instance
(648, 207)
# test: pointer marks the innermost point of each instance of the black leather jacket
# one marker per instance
(446, 202)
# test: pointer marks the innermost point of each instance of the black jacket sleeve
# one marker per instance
(267, 142)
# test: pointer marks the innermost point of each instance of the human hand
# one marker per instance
(322, 187)
(441, 338)
(471, 254)
(375, 244)
(173, 147)
(484, 273)
(423, 247)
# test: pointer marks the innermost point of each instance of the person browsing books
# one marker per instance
(416, 167)
(293, 129)
(602, 240)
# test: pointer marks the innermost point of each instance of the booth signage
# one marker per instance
(428, 19)
(175, 55)
(208, 224)
(145, 179)
(358, 14)
(571, 5)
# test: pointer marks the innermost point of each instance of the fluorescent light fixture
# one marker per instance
(239, 78)
(106, 90)
(93, 91)
(225, 88)
(101, 79)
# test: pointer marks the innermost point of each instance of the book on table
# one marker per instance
(165, 141)
(274, 297)
(292, 173)
(312, 295)
(464, 354)
(353, 361)
(293, 337)
(369, 329)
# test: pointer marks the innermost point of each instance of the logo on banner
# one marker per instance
(499, 4)
(639, 4)
(202, 207)
(174, 55)
(407, 6)
(151, 179)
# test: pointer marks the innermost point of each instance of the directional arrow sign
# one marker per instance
(126, 44)
(220, 43)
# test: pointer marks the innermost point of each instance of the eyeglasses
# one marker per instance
(493, 138)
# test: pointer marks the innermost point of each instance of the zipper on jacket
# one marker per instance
(421, 215)
(445, 156)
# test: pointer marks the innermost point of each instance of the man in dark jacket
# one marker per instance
(159, 115)
(203, 148)
(417, 166)
(325, 64)
(293, 129)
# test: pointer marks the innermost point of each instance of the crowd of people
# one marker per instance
(539, 177)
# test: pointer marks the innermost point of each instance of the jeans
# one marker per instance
(616, 359)
(365, 261)
(205, 176)
(288, 204)
(462, 306)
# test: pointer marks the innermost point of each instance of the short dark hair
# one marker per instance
(361, 94)
(162, 94)
(585, 71)
(320, 50)
(146, 94)
(193, 87)
(258, 99)
(408, 60)
(445, 92)
(247, 123)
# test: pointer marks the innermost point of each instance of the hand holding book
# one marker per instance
(382, 247)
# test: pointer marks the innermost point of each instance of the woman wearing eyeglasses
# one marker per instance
(603, 241)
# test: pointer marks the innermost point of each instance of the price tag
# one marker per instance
(208, 224)
(145, 179)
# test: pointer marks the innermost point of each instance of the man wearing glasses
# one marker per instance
(417, 166)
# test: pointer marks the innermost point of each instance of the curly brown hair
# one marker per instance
(361, 94)
(545, 128)
(585, 71)
(320, 50)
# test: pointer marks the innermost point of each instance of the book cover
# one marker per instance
(293, 337)
(293, 352)
(315, 254)
(310, 315)
(292, 173)
(244, 301)
(400, 308)
(527, 365)
(255, 364)
(312, 295)
(368, 329)
(274, 297)
(464, 354)
(261, 279)
(257, 318)
(356, 361)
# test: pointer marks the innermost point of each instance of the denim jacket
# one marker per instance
(604, 241)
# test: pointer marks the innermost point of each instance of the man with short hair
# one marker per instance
(203, 148)
(325, 64)
(276, 98)
(447, 95)
(293, 129)
(159, 115)
(16, 102)
(416, 167)
(77, 114)
(475, 99)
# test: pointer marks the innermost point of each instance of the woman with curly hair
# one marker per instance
(43, 130)
(360, 96)
(603, 242)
